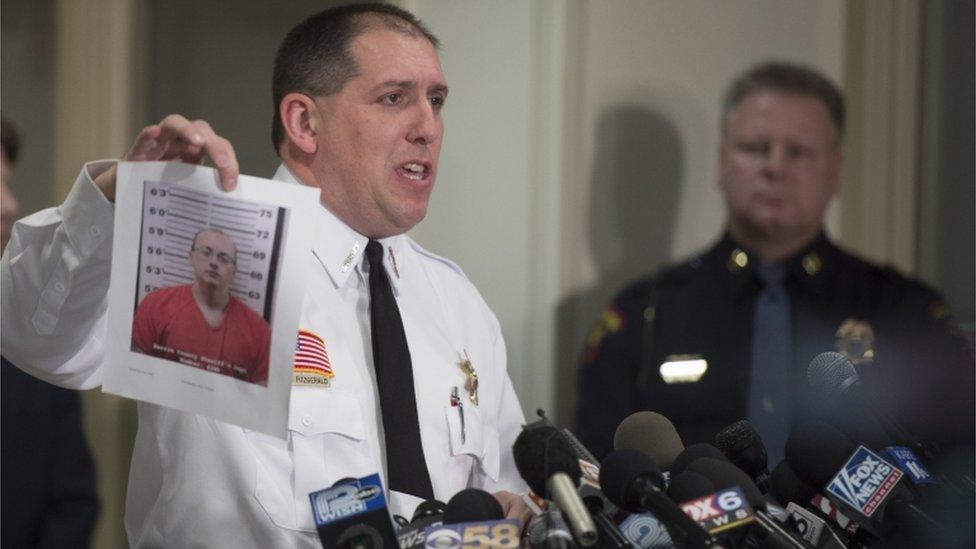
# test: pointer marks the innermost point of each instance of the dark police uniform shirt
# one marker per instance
(918, 365)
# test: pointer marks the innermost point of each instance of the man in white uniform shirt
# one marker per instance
(358, 94)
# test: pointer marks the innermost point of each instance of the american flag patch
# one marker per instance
(310, 355)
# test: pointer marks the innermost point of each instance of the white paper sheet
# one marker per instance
(159, 208)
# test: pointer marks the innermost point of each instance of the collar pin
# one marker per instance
(347, 262)
(393, 262)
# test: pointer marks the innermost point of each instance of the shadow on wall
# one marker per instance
(635, 186)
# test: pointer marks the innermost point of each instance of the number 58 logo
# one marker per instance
(500, 534)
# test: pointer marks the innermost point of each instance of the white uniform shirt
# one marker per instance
(195, 481)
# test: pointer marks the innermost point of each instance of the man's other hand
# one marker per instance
(513, 506)
(176, 138)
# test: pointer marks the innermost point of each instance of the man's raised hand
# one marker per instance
(176, 138)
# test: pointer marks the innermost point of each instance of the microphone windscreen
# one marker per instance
(620, 469)
(725, 475)
(429, 508)
(691, 453)
(816, 451)
(651, 433)
(743, 446)
(689, 485)
(542, 452)
(839, 401)
(786, 487)
(472, 505)
(830, 373)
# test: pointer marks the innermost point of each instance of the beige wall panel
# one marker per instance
(642, 191)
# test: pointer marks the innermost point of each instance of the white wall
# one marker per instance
(580, 150)
(495, 205)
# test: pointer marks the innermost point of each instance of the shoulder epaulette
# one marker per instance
(439, 259)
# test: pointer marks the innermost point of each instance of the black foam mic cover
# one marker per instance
(815, 451)
(471, 505)
(620, 471)
(689, 485)
(429, 508)
(786, 487)
(743, 446)
(542, 452)
(725, 475)
(694, 452)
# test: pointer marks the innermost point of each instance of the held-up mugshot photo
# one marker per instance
(352, 274)
(207, 268)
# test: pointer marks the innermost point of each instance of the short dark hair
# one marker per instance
(193, 243)
(787, 78)
(314, 57)
(9, 140)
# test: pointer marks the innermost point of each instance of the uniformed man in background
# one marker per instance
(728, 335)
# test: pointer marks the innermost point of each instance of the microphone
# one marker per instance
(581, 451)
(600, 508)
(471, 505)
(645, 531)
(428, 513)
(815, 450)
(693, 453)
(786, 487)
(632, 481)
(689, 485)
(596, 503)
(549, 531)
(651, 433)
(743, 446)
(834, 381)
(352, 514)
(803, 500)
(427, 509)
(474, 517)
(835, 377)
(724, 475)
(548, 465)
(855, 478)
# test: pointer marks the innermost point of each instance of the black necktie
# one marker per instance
(405, 463)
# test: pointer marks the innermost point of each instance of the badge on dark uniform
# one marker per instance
(471, 383)
(855, 340)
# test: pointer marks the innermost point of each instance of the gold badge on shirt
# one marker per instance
(471, 381)
(855, 340)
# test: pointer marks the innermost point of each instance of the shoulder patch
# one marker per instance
(312, 365)
(611, 321)
(940, 310)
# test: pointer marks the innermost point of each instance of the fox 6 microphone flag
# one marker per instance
(864, 482)
(720, 511)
